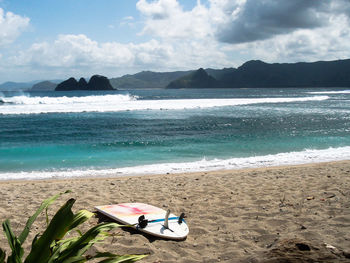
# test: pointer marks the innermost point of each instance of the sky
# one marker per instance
(57, 39)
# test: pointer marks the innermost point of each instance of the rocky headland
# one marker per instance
(96, 82)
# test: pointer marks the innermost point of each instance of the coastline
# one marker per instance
(245, 215)
(307, 156)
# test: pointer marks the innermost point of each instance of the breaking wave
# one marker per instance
(330, 92)
(114, 103)
(281, 159)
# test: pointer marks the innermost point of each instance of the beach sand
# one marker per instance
(279, 214)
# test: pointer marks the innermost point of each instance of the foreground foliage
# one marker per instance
(51, 247)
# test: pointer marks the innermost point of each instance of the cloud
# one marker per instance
(127, 21)
(11, 26)
(220, 33)
(158, 10)
(237, 21)
(75, 51)
(259, 20)
(167, 19)
(293, 30)
(325, 43)
(78, 53)
(128, 18)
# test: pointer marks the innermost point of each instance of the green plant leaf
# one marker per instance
(50, 247)
(44, 205)
(15, 245)
(35, 239)
(57, 228)
(60, 246)
(80, 217)
(92, 236)
(110, 257)
(77, 259)
(2, 256)
(123, 258)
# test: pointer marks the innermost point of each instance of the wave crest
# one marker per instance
(115, 103)
(330, 92)
(281, 159)
(27, 100)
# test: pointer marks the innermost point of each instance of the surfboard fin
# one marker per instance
(181, 218)
(142, 222)
(166, 219)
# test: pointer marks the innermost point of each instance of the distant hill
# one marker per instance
(252, 74)
(44, 86)
(16, 86)
(147, 80)
(258, 74)
(38, 85)
(194, 80)
(219, 73)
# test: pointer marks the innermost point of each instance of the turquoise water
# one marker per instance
(126, 132)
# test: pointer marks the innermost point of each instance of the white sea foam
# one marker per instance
(291, 158)
(115, 103)
(330, 92)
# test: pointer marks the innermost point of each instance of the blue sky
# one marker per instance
(56, 39)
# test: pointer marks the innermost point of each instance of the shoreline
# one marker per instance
(220, 171)
(305, 157)
(243, 215)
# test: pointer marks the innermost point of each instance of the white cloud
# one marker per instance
(80, 54)
(219, 34)
(11, 26)
(75, 51)
(128, 18)
(326, 43)
(167, 19)
(295, 30)
(127, 21)
(158, 10)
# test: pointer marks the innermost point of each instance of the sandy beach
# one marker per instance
(279, 214)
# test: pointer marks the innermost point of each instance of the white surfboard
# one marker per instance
(154, 222)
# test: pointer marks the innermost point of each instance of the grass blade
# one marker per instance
(92, 236)
(123, 258)
(77, 259)
(57, 228)
(44, 205)
(80, 217)
(2, 256)
(15, 245)
(50, 247)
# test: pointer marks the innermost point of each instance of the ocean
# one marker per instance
(117, 133)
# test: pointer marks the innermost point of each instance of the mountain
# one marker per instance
(219, 73)
(252, 74)
(44, 86)
(258, 74)
(147, 80)
(194, 80)
(96, 82)
(16, 86)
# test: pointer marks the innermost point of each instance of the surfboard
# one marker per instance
(147, 218)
